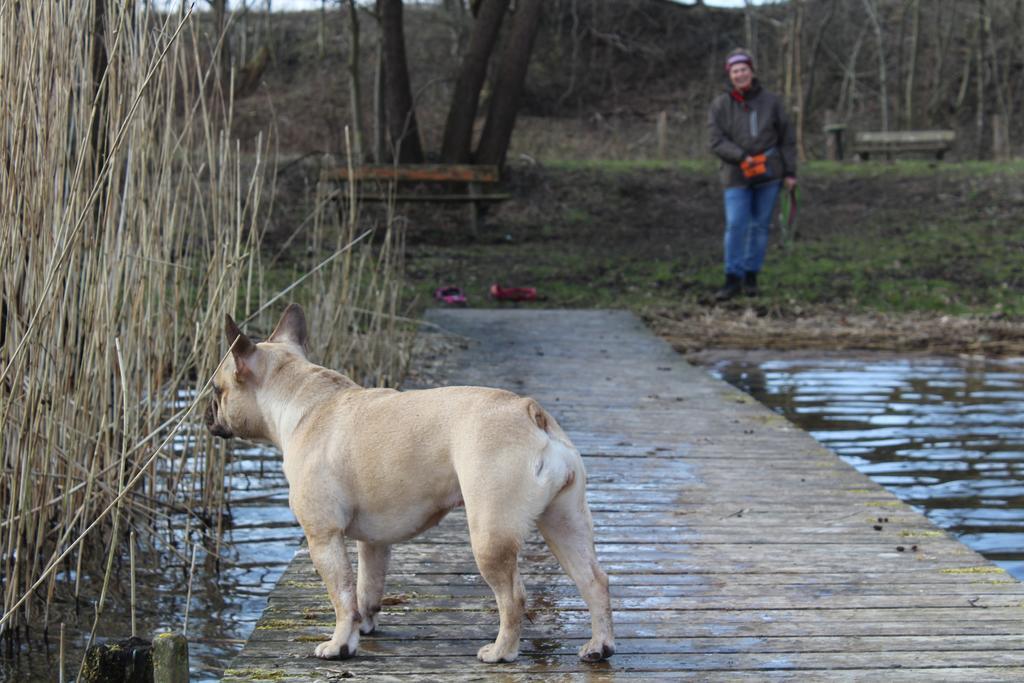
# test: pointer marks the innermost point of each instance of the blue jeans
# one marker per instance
(748, 218)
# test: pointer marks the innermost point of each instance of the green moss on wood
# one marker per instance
(253, 674)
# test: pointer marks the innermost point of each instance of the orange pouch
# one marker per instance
(756, 167)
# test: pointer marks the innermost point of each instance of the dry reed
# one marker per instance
(129, 225)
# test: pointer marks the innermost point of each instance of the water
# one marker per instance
(945, 435)
(229, 588)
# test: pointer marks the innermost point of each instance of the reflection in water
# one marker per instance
(229, 589)
(944, 435)
(259, 543)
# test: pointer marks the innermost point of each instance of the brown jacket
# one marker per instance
(755, 125)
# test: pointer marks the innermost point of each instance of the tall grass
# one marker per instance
(129, 224)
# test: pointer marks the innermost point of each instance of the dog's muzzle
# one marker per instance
(215, 428)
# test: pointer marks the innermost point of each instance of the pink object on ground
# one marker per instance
(451, 295)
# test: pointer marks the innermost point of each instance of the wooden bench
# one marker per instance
(936, 142)
(457, 183)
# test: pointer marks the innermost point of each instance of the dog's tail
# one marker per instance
(545, 422)
(538, 415)
(560, 464)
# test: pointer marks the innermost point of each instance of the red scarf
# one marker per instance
(740, 96)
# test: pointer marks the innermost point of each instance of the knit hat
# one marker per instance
(739, 56)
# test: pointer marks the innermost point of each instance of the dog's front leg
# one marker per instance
(373, 565)
(331, 561)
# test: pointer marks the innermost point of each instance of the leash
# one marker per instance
(790, 202)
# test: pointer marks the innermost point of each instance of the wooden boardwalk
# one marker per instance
(737, 546)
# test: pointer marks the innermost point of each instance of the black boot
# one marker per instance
(730, 289)
(750, 284)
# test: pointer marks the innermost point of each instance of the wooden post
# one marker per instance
(833, 136)
(661, 129)
(474, 208)
(1000, 138)
(170, 658)
(129, 660)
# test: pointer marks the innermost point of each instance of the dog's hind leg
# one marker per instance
(373, 564)
(496, 549)
(567, 527)
(331, 561)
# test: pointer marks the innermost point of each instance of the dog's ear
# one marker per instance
(291, 327)
(240, 349)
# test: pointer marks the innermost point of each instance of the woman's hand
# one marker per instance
(790, 182)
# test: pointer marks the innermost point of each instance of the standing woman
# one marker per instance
(751, 135)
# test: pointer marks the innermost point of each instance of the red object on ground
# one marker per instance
(513, 293)
(451, 295)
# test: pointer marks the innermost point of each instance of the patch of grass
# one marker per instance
(894, 238)
(911, 167)
(949, 267)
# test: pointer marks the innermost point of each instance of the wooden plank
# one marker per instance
(466, 647)
(993, 674)
(430, 665)
(737, 547)
(665, 639)
(463, 173)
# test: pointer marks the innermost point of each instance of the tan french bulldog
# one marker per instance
(381, 466)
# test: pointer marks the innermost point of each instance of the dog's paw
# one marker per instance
(332, 650)
(491, 654)
(369, 624)
(597, 650)
(338, 649)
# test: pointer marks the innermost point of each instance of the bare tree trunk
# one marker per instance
(511, 78)
(790, 41)
(883, 72)
(979, 107)
(380, 110)
(965, 80)
(223, 55)
(576, 35)
(456, 10)
(908, 94)
(1000, 77)
(242, 27)
(458, 130)
(268, 30)
(944, 37)
(403, 130)
(798, 37)
(321, 30)
(812, 67)
(897, 104)
(354, 89)
(848, 89)
(1017, 56)
(1000, 138)
(749, 32)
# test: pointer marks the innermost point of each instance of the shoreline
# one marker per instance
(702, 333)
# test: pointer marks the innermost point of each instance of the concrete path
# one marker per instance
(738, 547)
